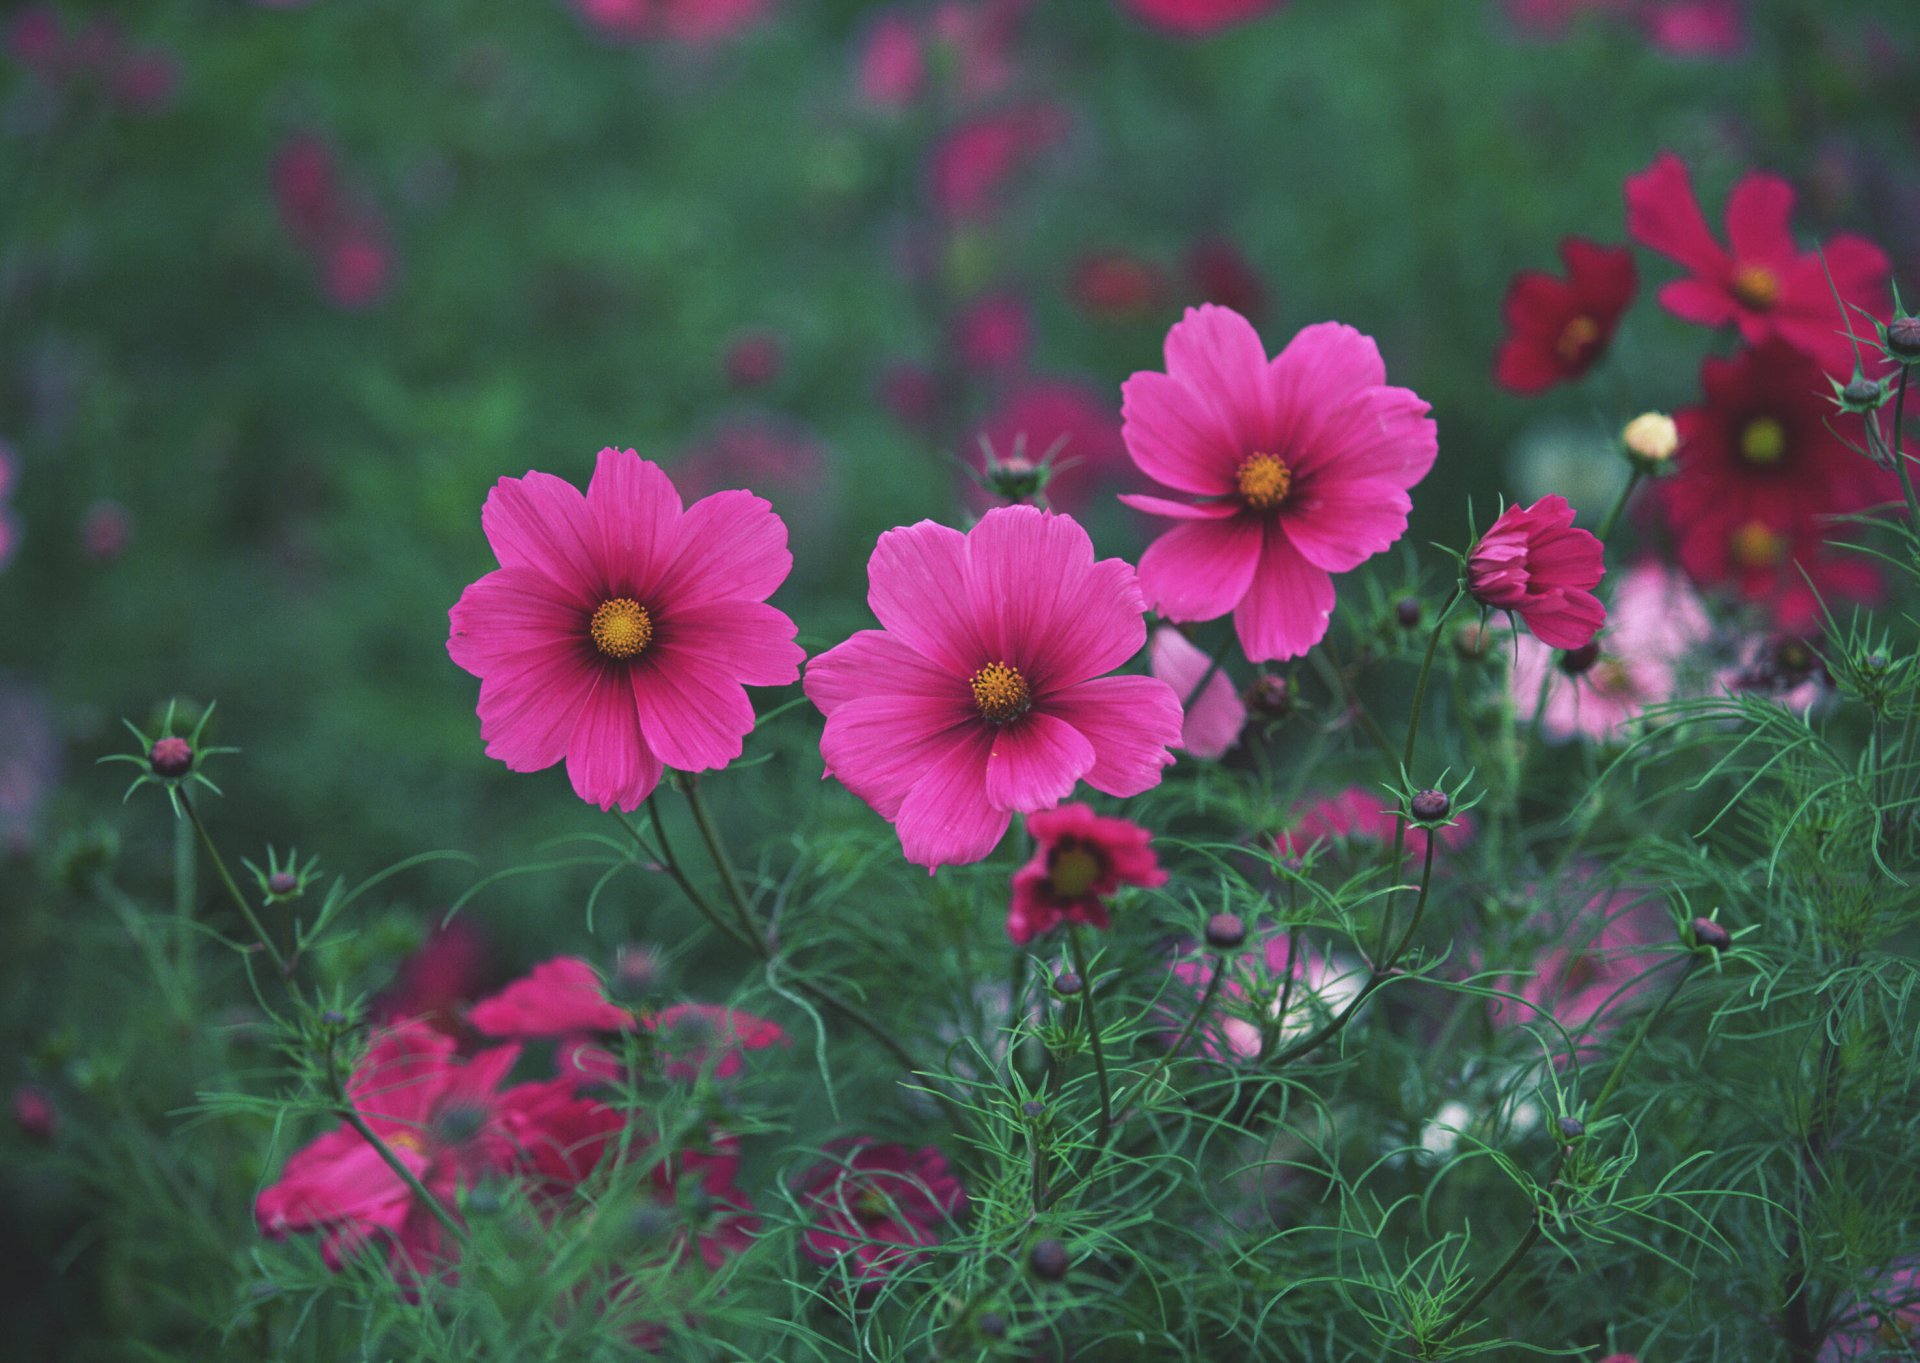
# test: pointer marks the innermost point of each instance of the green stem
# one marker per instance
(1619, 506)
(1413, 734)
(1214, 664)
(1900, 447)
(717, 851)
(1640, 1035)
(186, 894)
(1179, 1046)
(1336, 681)
(1498, 1276)
(226, 878)
(344, 1106)
(1088, 1015)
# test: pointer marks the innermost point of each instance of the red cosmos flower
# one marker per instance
(620, 630)
(1359, 814)
(986, 693)
(1300, 466)
(1758, 478)
(1079, 860)
(1764, 284)
(563, 999)
(1198, 18)
(1533, 563)
(878, 1208)
(434, 982)
(444, 1119)
(1559, 328)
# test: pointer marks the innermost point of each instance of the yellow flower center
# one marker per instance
(621, 627)
(1000, 692)
(1073, 869)
(1756, 286)
(1264, 481)
(1754, 546)
(1763, 441)
(1576, 336)
(405, 1140)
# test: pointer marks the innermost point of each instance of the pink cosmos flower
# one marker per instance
(877, 1209)
(1765, 284)
(766, 450)
(35, 1114)
(1656, 620)
(1696, 28)
(437, 980)
(1218, 715)
(1219, 272)
(1117, 286)
(356, 266)
(1300, 467)
(1273, 993)
(1080, 860)
(620, 630)
(984, 694)
(106, 529)
(891, 66)
(1533, 563)
(1600, 964)
(1068, 419)
(444, 1119)
(1883, 1324)
(970, 165)
(1358, 814)
(1198, 18)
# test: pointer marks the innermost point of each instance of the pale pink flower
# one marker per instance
(1257, 1004)
(1217, 715)
(1358, 814)
(1600, 964)
(1656, 620)
(985, 693)
(1299, 465)
(620, 630)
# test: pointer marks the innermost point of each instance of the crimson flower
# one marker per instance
(1763, 282)
(620, 630)
(876, 1209)
(1559, 328)
(1533, 563)
(1079, 860)
(985, 695)
(1300, 466)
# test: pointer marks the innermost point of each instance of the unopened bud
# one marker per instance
(1708, 933)
(1068, 983)
(1431, 806)
(171, 758)
(1407, 611)
(1016, 477)
(459, 1124)
(1577, 660)
(1903, 339)
(282, 883)
(1651, 439)
(1269, 695)
(1032, 1110)
(1862, 395)
(993, 1325)
(1571, 1128)
(636, 976)
(1048, 1260)
(1226, 931)
(484, 1200)
(333, 1017)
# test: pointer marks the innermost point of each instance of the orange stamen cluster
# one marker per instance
(621, 628)
(1576, 336)
(1000, 692)
(1264, 481)
(1756, 286)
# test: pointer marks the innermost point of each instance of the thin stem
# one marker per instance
(1179, 1046)
(1336, 679)
(1498, 1276)
(717, 851)
(344, 1106)
(1088, 1015)
(1900, 448)
(186, 893)
(1619, 506)
(1213, 665)
(1640, 1035)
(226, 877)
(1413, 722)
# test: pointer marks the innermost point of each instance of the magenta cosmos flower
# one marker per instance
(1080, 860)
(619, 629)
(984, 695)
(876, 1209)
(1534, 563)
(1300, 465)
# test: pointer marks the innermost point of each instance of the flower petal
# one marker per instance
(1287, 607)
(693, 712)
(608, 760)
(728, 547)
(1216, 717)
(946, 819)
(1217, 354)
(872, 660)
(1201, 569)
(529, 705)
(914, 580)
(749, 641)
(1181, 511)
(1758, 214)
(878, 746)
(1338, 525)
(1131, 721)
(634, 509)
(1035, 762)
(511, 612)
(541, 522)
(1663, 214)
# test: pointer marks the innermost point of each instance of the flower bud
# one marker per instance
(1651, 439)
(1048, 1260)
(282, 883)
(484, 1200)
(458, 1124)
(34, 1113)
(1269, 695)
(1903, 339)
(753, 359)
(636, 976)
(1473, 641)
(1407, 611)
(1577, 660)
(1226, 931)
(1431, 806)
(1708, 933)
(1033, 1110)
(171, 758)
(1016, 477)
(1571, 1128)
(1068, 983)
(993, 1325)
(1862, 395)
(333, 1017)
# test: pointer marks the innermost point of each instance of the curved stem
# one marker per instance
(226, 878)
(1179, 1046)
(717, 851)
(1413, 722)
(1900, 449)
(1612, 517)
(1619, 1071)
(351, 1115)
(1498, 1276)
(1088, 1015)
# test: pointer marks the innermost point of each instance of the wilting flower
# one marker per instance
(1593, 967)
(1218, 714)
(877, 1209)
(1080, 860)
(620, 630)
(1197, 18)
(1276, 993)
(985, 693)
(1654, 622)
(1358, 814)
(1301, 466)
(1065, 421)
(1758, 479)
(562, 999)
(447, 1122)
(1533, 563)
(1559, 328)
(1764, 283)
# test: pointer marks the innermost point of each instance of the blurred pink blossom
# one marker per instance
(1256, 1002)
(1358, 814)
(692, 21)
(1217, 715)
(994, 333)
(1199, 18)
(1070, 419)
(969, 166)
(1599, 965)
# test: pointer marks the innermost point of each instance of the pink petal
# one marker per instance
(1340, 525)
(509, 612)
(554, 998)
(634, 509)
(1181, 511)
(870, 661)
(1383, 434)
(1217, 354)
(730, 546)
(1758, 213)
(1662, 213)
(877, 746)
(541, 522)
(1035, 762)
(748, 640)
(529, 705)
(1131, 721)
(1287, 608)
(694, 714)
(608, 760)
(1201, 569)
(1044, 604)
(946, 818)
(1177, 437)
(1322, 366)
(914, 579)
(1217, 715)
